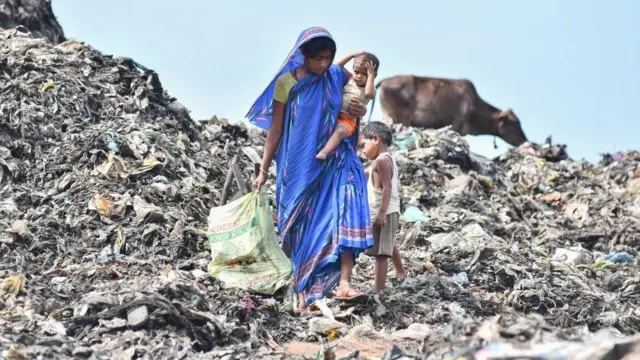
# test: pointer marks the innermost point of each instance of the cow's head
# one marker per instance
(509, 128)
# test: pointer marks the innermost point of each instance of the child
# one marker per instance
(360, 86)
(384, 200)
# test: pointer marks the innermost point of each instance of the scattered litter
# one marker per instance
(413, 214)
(108, 192)
(620, 257)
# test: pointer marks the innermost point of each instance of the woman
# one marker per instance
(323, 216)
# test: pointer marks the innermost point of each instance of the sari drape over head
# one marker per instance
(322, 207)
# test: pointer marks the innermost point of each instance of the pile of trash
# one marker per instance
(530, 232)
(106, 184)
(105, 188)
(36, 16)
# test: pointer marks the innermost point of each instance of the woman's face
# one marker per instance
(320, 62)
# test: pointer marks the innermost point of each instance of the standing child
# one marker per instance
(360, 86)
(384, 200)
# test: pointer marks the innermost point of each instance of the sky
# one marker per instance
(567, 68)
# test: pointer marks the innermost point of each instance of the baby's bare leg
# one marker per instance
(338, 134)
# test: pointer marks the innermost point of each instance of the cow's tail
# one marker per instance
(373, 101)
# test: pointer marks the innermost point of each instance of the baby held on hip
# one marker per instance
(361, 87)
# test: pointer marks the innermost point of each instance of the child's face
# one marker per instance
(370, 148)
(360, 71)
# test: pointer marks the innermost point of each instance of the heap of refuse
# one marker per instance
(35, 15)
(105, 188)
(530, 232)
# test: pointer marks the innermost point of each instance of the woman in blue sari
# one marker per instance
(323, 215)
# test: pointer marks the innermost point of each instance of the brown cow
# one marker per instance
(428, 102)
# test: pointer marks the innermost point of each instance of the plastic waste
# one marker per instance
(413, 214)
(403, 143)
(460, 278)
(548, 351)
(612, 260)
(620, 257)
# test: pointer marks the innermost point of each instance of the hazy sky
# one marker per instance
(569, 68)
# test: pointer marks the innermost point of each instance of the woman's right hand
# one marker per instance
(260, 181)
(356, 108)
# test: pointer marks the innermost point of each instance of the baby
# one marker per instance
(360, 86)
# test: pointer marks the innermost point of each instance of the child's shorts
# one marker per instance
(385, 237)
(348, 122)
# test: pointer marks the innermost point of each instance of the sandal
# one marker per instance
(348, 294)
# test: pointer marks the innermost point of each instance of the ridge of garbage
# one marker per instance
(34, 16)
(106, 183)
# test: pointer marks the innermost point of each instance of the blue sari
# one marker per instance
(322, 206)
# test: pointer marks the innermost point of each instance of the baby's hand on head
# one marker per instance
(371, 70)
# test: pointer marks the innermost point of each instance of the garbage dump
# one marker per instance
(105, 188)
(106, 185)
(35, 15)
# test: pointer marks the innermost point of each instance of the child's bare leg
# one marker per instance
(397, 263)
(382, 265)
(338, 134)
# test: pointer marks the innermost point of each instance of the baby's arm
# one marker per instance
(370, 88)
(345, 59)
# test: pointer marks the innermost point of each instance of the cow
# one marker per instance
(428, 102)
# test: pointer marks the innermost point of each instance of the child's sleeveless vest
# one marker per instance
(375, 195)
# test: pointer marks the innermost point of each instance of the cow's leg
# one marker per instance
(462, 124)
(462, 120)
(387, 118)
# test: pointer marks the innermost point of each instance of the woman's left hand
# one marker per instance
(356, 108)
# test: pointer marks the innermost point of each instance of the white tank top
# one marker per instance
(375, 195)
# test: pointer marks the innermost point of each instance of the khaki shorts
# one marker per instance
(384, 237)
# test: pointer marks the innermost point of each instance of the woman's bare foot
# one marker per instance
(300, 311)
(302, 304)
